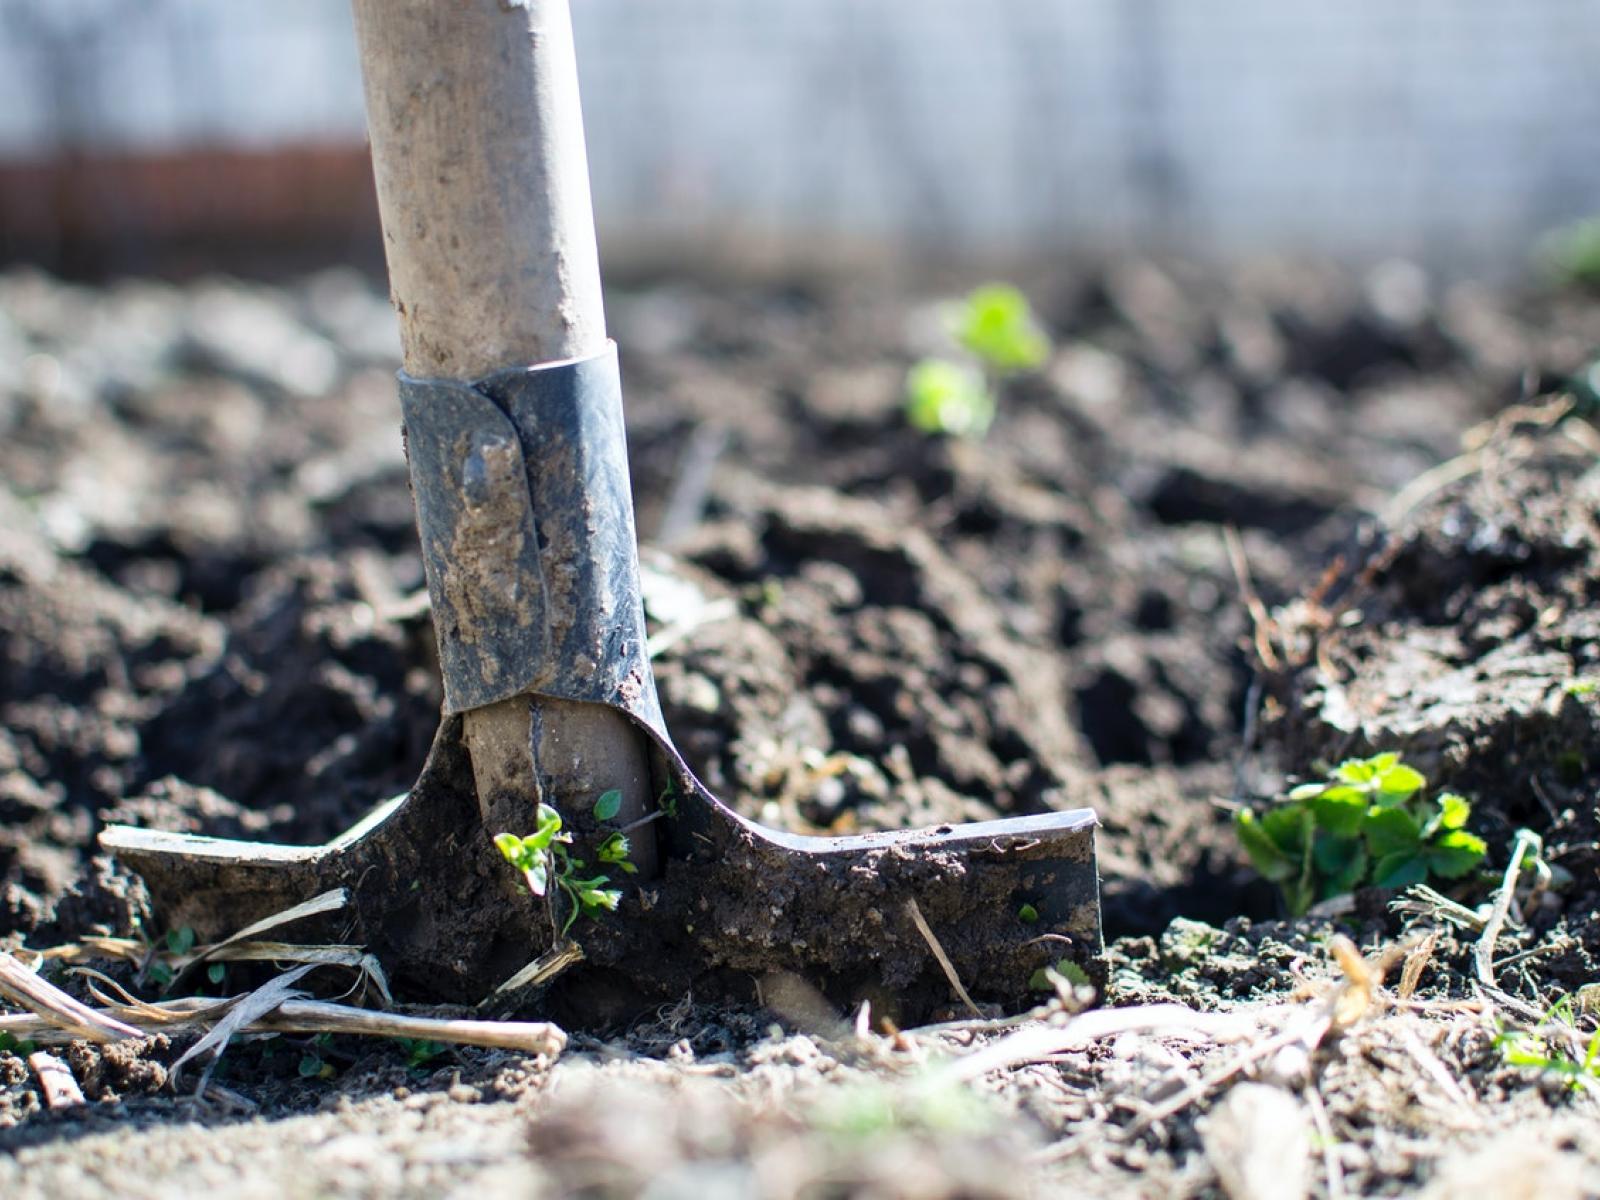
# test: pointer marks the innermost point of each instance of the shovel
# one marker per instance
(514, 435)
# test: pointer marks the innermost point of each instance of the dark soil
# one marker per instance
(208, 586)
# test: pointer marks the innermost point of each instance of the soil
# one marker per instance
(210, 622)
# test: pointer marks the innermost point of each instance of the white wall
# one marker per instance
(1450, 129)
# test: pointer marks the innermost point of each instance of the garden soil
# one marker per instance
(1239, 527)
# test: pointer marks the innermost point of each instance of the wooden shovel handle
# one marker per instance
(483, 182)
(483, 188)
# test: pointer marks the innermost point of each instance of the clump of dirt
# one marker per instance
(1467, 640)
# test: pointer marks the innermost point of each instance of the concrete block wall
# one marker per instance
(1452, 130)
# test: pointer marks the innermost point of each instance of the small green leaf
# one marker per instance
(1348, 879)
(1290, 826)
(608, 806)
(1455, 854)
(1342, 863)
(216, 972)
(1400, 870)
(1307, 790)
(595, 898)
(997, 325)
(180, 941)
(310, 1066)
(1343, 793)
(1340, 811)
(1039, 981)
(160, 974)
(1072, 973)
(1264, 853)
(1453, 811)
(1400, 782)
(1358, 771)
(1392, 831)
(538, 876)
(1028, 914)
(614, 849)
(546, 832)
(947, 397)
(510, 845)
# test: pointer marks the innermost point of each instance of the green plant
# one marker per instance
(10, 1043)
(1571, 254)
(420, 1051)
(176, 944)
(1040, 980)
(997, 326)
(312, 1065)
(872, 1110)
(1556, 1046)
(544, 859)
(181, 940)
(995, 335)
(1371, 822)
(948, 397)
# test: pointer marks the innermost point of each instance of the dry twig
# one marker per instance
(914, 911)
(242, 1011)
(1483, 955)
(310, 1016)
(54, 1007)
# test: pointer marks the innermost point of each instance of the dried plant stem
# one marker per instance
(310, 1016)
(914, 911)
(1484, 954)
(54, 1008)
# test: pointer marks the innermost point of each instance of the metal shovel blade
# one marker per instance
(731, 901)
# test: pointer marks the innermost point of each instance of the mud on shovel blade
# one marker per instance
(525, 516)
(732, 901)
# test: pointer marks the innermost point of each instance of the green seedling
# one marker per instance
(10, 1043)
(312, 1064)
(872, 1110)
(1571, 254)
(549, 868)
(180, 941)
(668, 802)
(997, 327)
(1369, 822)
(949, 397)
(995, 335)
(1556, 1046)
(1040, 980)
(420, 1051)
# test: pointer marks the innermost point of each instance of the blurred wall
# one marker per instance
(1449, 130)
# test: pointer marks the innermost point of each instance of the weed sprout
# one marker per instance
(995, 335)
(544, 859)
(1369, 822)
